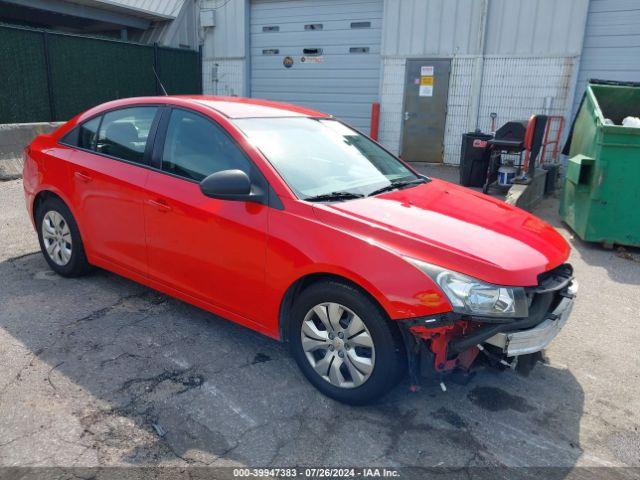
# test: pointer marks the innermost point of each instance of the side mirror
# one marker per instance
(229, 185)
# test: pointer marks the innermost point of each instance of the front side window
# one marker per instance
(123, 133)
(195, 148)
(321, 156)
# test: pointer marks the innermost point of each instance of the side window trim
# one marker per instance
(94, 144)
(147, 158)
(160, 138)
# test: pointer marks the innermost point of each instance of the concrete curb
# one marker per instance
(528, 196)
(14, 137)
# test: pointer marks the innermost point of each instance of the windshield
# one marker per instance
(319, 157)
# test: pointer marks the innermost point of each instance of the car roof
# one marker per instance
(239, 107)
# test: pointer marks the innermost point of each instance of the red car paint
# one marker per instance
(239, 259)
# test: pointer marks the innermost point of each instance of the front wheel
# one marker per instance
(344, 344)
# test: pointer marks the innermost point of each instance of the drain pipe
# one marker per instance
(478, 69)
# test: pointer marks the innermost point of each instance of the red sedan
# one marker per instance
(291, 223)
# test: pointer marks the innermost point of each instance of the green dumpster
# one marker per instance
(601, 195)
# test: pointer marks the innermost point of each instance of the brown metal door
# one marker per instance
(425, 109)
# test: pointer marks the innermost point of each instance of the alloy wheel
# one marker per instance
(56, 236)
(338, 345)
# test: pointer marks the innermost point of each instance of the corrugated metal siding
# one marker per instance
(611, 48)
(430, 27)
(536, 27)
(451, 27)
(163, 7)
(339, 82)
(179, 33)
(227, 38)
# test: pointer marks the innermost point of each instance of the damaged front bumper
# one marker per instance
(537, 338)
(452, 342)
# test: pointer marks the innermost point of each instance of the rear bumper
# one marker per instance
(537, 338)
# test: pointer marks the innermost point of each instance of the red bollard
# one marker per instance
(375, 120)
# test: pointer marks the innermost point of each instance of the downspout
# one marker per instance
(247, 48)
(478, 69)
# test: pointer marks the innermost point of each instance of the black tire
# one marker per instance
(77, 264)
(390, 357)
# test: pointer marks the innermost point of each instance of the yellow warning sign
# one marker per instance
(426, 81)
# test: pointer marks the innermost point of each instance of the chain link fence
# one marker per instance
(50, 76)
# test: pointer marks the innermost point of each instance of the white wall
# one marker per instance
(224, 48)
(531, 49)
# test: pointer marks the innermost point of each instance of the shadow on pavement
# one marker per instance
(103, 371)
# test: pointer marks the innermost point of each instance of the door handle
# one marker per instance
(83, 177)
(159, 205)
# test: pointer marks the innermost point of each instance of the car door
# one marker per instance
(208, 248)
(109, 177)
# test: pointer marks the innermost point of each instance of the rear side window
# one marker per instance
(87, 133)
(83, 136)
(123, 133)
(195, 148)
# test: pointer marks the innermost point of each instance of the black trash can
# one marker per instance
(474, 159)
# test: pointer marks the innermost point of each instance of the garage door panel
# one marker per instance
(301, 10)
(335, 63)
(354, 114)
(294, 25)
(338, 85)
(274, 75)
(334, 37)
(296, 50)
(320, 98)
(343, 79)
(330, 94)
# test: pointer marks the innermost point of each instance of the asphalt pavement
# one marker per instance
(101, 371)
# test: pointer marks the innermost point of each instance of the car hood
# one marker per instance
(455, 228)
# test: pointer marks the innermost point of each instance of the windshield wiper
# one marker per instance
(396, 185)
(326, 197)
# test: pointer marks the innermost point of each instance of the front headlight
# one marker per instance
(471, 296)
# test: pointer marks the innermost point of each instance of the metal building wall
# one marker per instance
(224, 63)
(169, 8)
(518, 34)
(181, 32)
(343, 80)
(531, 49)
(611, 48)
(452, 27)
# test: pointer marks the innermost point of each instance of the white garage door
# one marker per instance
(322, 54)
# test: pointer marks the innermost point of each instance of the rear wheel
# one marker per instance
(344, 344)
(59, 238)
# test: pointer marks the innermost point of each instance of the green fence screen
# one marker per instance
(52, 76)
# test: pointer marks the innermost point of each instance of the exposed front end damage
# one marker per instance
(452, 342)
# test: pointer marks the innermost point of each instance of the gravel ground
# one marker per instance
(100, 371)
